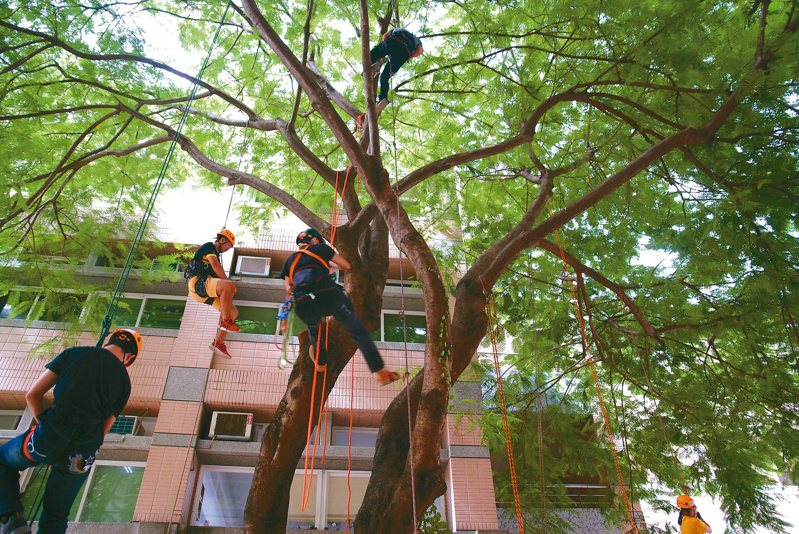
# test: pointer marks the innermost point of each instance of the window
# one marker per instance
(108, 496)
(147, 311)
(361, 436)
(60, 307)
(17, 304)
(222, 494)
(34, 305)
(391, 330)
(263, 320)
(337, 495)
(112, 491)
(162, 313)
(9, 419)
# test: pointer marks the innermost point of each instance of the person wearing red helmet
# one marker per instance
(90, 389)
(316, 296)
(689, 520)
(209, 284)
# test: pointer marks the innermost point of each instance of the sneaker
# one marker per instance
(15, 524)
(221, 348)
(381, 104)
(385, 377)
(229, 326)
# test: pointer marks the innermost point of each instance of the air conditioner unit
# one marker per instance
(125, 425)
(254, 265)
(231, 426)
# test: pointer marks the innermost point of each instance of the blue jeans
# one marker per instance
(68, 449)
(334, 302)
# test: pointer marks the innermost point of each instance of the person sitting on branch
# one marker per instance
(689, 520)
(399, 45)
(209, 284)
(92, 387)
(315, 296)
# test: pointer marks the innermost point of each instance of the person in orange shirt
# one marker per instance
(689, 520)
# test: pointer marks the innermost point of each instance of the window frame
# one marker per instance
(322, 486)
(28, 475)
(144, 297)
(18, 413)
(39, 298)
(88, 484)
(395, 312)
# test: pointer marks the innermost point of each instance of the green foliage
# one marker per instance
(703, 243)
(433, 523)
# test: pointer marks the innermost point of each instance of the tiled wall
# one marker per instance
(251, 381)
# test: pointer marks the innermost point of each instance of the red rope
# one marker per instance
(493, 324)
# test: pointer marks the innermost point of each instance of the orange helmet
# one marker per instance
(128, 340)
(227, 234)
(685, 501)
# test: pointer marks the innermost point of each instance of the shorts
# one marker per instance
(212, 298)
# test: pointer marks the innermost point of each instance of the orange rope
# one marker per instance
(493, 324)
(595, 375)
(306, 486)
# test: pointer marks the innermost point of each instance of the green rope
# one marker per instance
(119, 290)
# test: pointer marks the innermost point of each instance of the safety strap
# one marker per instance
(297, 259)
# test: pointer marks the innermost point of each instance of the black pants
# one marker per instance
(397, 57)
(334, 302)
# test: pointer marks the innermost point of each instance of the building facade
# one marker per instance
(183, 455)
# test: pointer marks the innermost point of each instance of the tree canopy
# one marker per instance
(651, 146)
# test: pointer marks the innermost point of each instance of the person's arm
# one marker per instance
(34, 398)
(418, 52)
(287, 285)
(108, 424)
(216, 266)
(342, 264)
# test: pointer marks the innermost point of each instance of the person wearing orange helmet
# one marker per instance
(209, 284)
(315, 296)
(90, 387)
(689, 519)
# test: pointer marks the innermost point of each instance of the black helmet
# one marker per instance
(307, 235)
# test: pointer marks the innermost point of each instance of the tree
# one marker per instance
(666, 127)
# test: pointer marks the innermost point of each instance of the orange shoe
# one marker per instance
(385, 377)
(229, 326)
(221, 348)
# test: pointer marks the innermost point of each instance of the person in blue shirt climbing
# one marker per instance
(316, 296)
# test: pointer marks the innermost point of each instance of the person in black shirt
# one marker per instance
(399, 45)
(316, 296)
(209, 284)
(91, 387)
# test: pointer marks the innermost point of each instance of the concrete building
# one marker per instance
(178, 458)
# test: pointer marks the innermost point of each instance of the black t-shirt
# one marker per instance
(92, 383)
(201, 265)
(313, 273)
